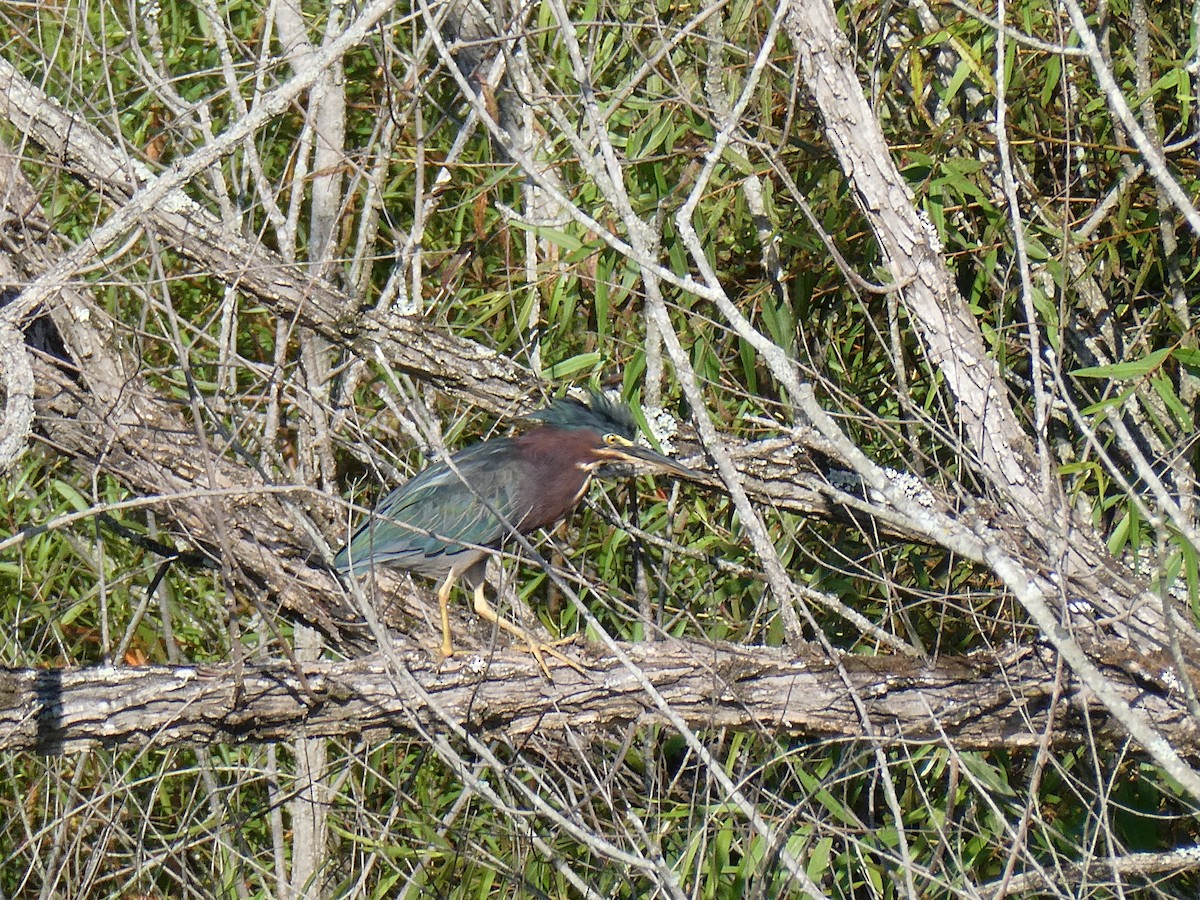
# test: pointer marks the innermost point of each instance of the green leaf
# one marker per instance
(1123, 371)
(72, 496)
(1108, 403)
(1191, 568)
(1166, 391)
(568, 242)
(568, 367)
(1050, 84)
(1122, 534)
(1189, 357)
(818, 858)
(993, 777)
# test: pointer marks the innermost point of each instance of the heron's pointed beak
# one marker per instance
(636, 453)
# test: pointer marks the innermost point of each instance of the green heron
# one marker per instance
(444, 522)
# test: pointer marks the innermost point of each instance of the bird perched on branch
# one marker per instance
(444, 522)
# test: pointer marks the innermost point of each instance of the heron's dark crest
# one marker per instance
(603, 414)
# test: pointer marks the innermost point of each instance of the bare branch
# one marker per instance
(999, 700)
(16, 410)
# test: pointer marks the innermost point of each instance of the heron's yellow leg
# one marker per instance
(486, 612)
(444, 609)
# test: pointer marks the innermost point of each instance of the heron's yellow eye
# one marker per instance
(613, 440)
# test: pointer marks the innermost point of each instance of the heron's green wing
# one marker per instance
(428, 523)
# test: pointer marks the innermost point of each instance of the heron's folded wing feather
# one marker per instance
(441, 513)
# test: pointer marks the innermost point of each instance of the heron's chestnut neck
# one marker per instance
(557, 466)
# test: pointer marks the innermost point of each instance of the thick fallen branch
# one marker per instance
(997, 700)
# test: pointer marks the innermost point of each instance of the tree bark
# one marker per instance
(993, 701)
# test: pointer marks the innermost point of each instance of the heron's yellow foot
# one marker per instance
(444, 610)
(536, 647)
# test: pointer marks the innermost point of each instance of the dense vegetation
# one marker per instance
(642, 196)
